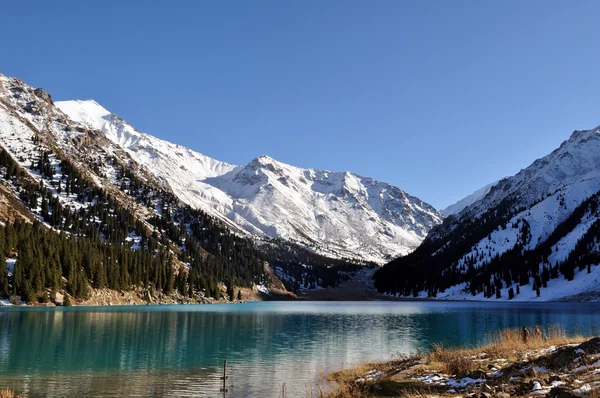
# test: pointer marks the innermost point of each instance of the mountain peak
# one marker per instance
(584, 135)
(87, 112)
(264, 159)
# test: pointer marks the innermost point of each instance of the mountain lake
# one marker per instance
(273, 349)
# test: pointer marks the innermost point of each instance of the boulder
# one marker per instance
(561, 359)
(566, 356)
(59, 298)
(563, 392)
(43, 95)
(31, 107)
(591, 346)
(146, 296)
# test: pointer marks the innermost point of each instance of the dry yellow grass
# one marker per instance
(347, 385)
(9, 394)
(347, 375)
(449, 361)
(508, 344)
(344, 391)
(345, 380)
(509, 341)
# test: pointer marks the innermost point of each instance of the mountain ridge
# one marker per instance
(533, 229)
(468, 200)
(370, 220)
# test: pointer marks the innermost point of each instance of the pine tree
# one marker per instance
(28, 293)
(82, 286)
(4, 288)
(18, 278)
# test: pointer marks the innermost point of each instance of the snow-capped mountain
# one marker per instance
(182, 169)
(338, 214)
(335, 213)
(96, 218)
(531, 228)
(468, 200)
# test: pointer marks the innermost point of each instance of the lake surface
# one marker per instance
(156, 351)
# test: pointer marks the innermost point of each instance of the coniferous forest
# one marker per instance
(504, 274)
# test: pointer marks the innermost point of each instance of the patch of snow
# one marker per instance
(462, 383)
(134, 240)
(10, 265)
(536, 386)
(263, 289)
(584, 389)
(5, 303)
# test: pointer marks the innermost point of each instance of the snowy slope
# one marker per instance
(183, 169)
(30, 124)
(468, 200)
(584, 285)
(337, 214)
(524, 225)
(340, 214)
(547, 191)
(574, 166)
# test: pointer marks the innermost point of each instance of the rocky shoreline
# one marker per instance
(109, 297)
(553, 368)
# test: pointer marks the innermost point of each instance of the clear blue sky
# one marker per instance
(436, 97)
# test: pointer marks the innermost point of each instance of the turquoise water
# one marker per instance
(155, 351)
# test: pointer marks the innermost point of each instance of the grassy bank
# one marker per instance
(511, 363)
